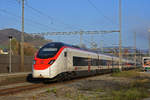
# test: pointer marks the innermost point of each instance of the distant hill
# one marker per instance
(34, 40)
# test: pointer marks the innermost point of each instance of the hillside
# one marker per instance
(34, 40)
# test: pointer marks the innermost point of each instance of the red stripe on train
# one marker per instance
(42, 64)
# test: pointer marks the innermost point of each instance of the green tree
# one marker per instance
(15, 46)
(29, 50)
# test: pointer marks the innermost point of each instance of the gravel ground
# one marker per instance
(92, 88)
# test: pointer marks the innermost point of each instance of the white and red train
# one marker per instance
(56, 59)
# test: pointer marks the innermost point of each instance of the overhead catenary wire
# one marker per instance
(29, 20)
(17, 19)
(50, 17)
(53, 20)
(41, 13)
(100, 12)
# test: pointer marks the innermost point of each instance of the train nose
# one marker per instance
(41, 73)
(41, 76)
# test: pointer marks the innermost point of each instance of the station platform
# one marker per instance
(14, 74)
(9, 78)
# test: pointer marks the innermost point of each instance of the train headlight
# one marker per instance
(51, 62)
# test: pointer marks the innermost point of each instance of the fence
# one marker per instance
(4, 63)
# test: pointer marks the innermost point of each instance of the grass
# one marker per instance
(135, 90)
(53, 90)
(129, 94)
(68, 95)
(99, 90)
(128, 74)
(81, 97)
(78, 96)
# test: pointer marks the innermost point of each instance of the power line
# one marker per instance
(41, 13)
(75, 32)
(17, 18)
(29, 20)
(48, 16)
(46, 26)
(100, 12)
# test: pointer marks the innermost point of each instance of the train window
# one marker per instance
(80, 61)
(49, 50)
(94, 62)
(65, 54)
(104, 62)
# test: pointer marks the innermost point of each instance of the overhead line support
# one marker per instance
(22, 40)
(120, 36)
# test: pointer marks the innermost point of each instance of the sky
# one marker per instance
(76, 15)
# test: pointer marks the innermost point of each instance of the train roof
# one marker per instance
(73, 46)
(61, 44)
(77, 47)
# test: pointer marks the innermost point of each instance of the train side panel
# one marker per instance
(59, 66)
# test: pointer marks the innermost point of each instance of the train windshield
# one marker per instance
(49, 50)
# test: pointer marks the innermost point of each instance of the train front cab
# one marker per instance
(49, 61)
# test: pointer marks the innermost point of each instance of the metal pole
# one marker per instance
(149, 42)
(101, 46)
(135, 47)
(120, 37)
(22, 39)
(10, 38)
(140, 56)
(81, 32)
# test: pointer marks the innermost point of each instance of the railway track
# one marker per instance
(19, 89)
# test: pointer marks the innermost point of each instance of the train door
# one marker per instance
(65, 60)
(99, 66)
(68, 60)
(112, 63)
